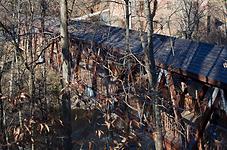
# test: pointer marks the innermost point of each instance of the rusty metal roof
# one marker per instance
(201, 61)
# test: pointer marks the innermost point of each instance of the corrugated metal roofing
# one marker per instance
(197, 60)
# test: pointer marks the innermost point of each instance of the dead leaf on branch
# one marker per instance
(27, 128)
(123, 140)
(99, 133)
(31, 121)
(24, 96)
(32, 140)
(41, 128)
(107, 124)
(16, 133)
(60, 121)
(47, 128)
(3, 98)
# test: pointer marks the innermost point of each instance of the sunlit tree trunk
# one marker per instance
(151, 69)
(127, 25)
(126, 62)
(0, 81)
(14, 69)
(44, 7)
(66, 73)
(224, 14)
(2, 112)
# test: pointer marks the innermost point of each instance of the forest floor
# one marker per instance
(87, 123)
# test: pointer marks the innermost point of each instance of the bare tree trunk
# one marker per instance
(30, 63)
(31, 69)
(11, 85)
(2, 113)
(66, 73)
(127, 17)
(3, 126)
(149, 54)
(16, 16)
(43, 5)
(43, 14)
(0, 80)
(151, 69)
(224, 14)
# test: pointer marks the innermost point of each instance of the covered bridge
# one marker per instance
(199, 62)
(202, 62)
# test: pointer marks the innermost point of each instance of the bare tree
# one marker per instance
(151, 68)
(66, 74)
(191, 14)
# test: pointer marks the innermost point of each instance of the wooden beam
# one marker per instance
(160, 75)
(173, 94)
(94, 76)
(224, 101)
(200, 96)
(213, 97)
(78, 59)
(177, 115)
(205, 119)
